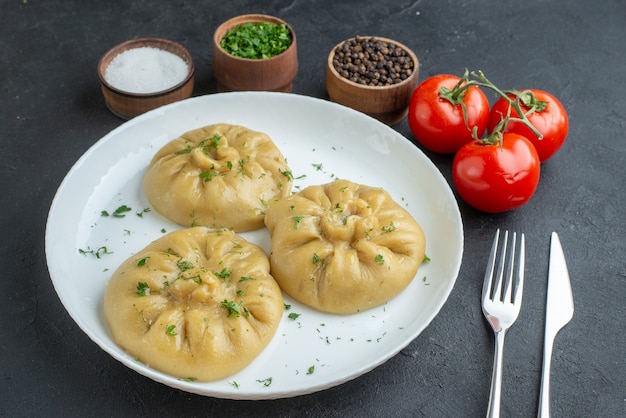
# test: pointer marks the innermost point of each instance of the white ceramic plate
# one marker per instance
(322, 141)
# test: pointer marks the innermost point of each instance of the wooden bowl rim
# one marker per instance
(408, 50)
(156, 43)
(227, 25)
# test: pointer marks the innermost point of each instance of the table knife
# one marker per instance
(559, 311)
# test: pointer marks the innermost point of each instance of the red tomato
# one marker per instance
(437, 123)
(551, 122)
(497, 177)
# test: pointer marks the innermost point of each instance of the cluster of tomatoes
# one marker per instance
(497, 151)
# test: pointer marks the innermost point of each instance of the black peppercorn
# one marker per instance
(371, 61)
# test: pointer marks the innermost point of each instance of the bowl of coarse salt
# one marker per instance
(142, 74)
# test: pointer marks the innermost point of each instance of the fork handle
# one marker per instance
(496, 378)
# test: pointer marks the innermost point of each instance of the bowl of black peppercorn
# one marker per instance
(373, 75)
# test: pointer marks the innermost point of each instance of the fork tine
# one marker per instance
(519, 280)
(497, 292)
(510, 268)
(490, 266)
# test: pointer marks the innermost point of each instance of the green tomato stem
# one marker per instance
(526, 96)
(457, 94)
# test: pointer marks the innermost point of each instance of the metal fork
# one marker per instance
(501, 302)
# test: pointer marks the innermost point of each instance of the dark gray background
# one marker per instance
(53, 111)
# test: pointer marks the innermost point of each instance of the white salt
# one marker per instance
(146, 70)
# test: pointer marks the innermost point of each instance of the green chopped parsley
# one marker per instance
(234, 309)
(120, 212)
(389, 228)
(266, 382)
(171, 330)
(297, 220)
(184, 265)
(257, 40)
(141, 288)
(224, 274)
(97, 253)
(287, 174)
(141, 212)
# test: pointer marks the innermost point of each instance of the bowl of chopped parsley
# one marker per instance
(254, 52)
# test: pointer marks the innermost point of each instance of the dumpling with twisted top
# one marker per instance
(219, 176)
(343, 247)
(195, 303)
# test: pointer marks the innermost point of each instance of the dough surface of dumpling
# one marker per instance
(196, 304)
(343, 247)
(220, 176)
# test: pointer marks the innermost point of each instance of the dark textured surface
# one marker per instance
(53, 111)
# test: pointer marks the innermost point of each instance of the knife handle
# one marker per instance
(544, 392)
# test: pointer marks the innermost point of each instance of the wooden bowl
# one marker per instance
(243, 74)
(389, 103)
(127, 104)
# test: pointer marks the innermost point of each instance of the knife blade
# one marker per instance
(559, 312)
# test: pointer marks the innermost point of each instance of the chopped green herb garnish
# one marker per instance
(171, 330)
(207, 175)
(224, 274)
(141, 288)
(213, 141)
(257, 40)
(197, 278)
(97, 253)
(241, 164)
(426, 259)
(186, 150)
(245, 278)
(266, 382)
(233, 309)
(287, 174)
(297, 220)
(142, 262)
(293, 316)
(318, 167)
(121, 211)
(379, 259)
(141, 212)
(311, 370)
(184, 265)
(389, 228)
(316, 259)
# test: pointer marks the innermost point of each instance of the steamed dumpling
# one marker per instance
(196, 304)
(343, 247)
(220, 176)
